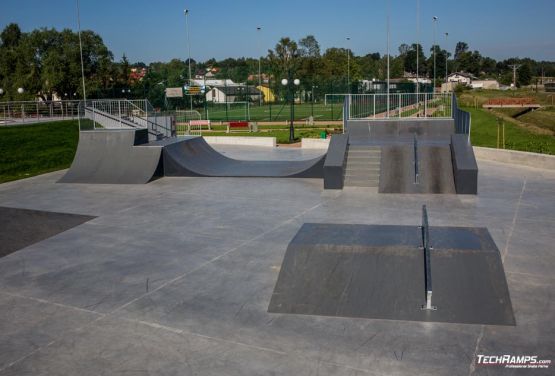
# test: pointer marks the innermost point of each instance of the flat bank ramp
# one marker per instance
(113, 157)
(194, 157)
(432, 172)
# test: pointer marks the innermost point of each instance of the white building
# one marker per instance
(235, 93)
(485, 84)
(461, 78)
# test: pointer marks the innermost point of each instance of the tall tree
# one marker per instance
(309, 47)
(461, 48)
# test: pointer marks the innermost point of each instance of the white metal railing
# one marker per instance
(399, 106)
(35, 111)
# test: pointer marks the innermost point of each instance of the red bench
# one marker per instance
(238, 125)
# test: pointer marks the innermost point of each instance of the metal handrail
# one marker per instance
(427, 260)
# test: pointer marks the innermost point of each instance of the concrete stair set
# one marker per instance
(363, 166)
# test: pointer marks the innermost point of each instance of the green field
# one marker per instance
(272, 112)
(29, 150)
(484, 133)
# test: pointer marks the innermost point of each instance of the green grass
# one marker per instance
(28, 150)
(274, 112)
(484, 133)
(544, 118)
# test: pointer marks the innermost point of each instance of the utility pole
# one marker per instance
(514, 67)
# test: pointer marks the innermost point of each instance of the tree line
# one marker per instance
(46, 61)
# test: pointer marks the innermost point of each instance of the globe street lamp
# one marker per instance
(20, 90)
(1, 91)
(291, 92)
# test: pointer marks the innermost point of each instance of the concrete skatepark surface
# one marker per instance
(175, 277)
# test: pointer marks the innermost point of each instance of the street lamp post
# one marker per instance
(290, 83)
(312, 94)
(189, 52)
(435, 19)
(388, 39)
(446, 55)
(259, 69)
(348, 65)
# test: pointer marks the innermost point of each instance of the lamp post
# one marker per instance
(348, 65)
(417, 50)
(291, 92)
(189, 51)
(435, 19)
(312, 94)
(259, 69)
(446, 55)
(388, 38)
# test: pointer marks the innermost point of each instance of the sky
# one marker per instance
(150, 31)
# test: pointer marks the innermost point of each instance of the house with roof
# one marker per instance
(235, 93)
(461, 78)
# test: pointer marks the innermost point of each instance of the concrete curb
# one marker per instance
(238, 140)
(536, 160)
(315, 143)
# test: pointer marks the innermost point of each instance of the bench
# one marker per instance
(238, 125)
(200, 123)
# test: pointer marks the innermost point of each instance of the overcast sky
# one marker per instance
(155, 30)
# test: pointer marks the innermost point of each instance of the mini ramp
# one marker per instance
(194, 157)
(114, 157)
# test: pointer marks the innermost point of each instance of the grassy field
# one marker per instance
(274, 112)
(484, 133)
(29, 150)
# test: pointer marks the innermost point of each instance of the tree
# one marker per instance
(11, 35)
(309, 47)
(460, 49)
(410, 61)
(524, 75)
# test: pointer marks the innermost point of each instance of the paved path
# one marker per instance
(174, 278)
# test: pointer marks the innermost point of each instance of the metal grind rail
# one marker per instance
(427, 260)
(416, 170)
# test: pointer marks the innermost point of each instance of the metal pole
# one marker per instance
(259, 69)
(446, 56)
(417, 49)
(435, 30)
(81, 52)
(388, 40)
(348, 66)
(189, 51)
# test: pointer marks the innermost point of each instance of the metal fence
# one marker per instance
(36, 111)
(400, 105)
(463, 120)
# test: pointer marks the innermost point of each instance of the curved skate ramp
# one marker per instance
(194, 157)
(113, 157)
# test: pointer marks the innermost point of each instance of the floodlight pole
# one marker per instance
(189, 51)
(417, 50)
(446, 57)
(259, 69)
(388, 39)
(435, 31)
(348, 65)
(81, 52)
